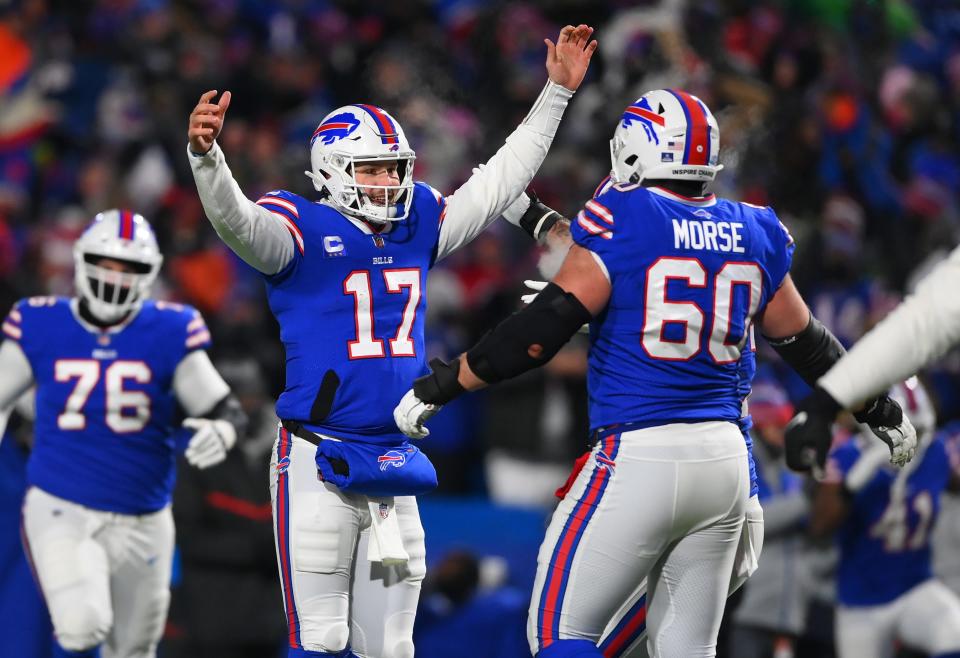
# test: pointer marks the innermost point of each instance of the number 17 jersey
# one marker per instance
(688, 277)
(351, 306)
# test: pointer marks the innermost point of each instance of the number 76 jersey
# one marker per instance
(105, 401)
(688, 277)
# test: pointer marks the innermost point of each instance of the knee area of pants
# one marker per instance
(336, 637)
(401, 649)
(82, 627)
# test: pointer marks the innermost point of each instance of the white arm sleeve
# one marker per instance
(197, 384)
(923, 327)
(16, 379)
(505, 176)
(250, 230)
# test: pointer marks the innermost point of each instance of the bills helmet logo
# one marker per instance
(644, 114)
(283, 465)
(336, 127)
(393, 458)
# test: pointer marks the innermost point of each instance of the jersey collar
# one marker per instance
(698, 201)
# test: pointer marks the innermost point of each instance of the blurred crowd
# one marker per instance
(844, 115)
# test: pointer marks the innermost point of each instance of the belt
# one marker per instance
(297, 429)
(340, 467)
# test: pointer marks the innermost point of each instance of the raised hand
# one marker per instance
(206, 121)
(567, 61)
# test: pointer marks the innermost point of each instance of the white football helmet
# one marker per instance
(666, 133)
(119, 235)
(351, 135)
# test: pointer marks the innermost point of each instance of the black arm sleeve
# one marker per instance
(548, 322)
(812, 352)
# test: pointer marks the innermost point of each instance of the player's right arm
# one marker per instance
(253, 232)
(925, 326)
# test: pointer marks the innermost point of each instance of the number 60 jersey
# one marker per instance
(688, 276)
(105, 400)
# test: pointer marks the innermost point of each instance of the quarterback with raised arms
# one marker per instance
(345, 274)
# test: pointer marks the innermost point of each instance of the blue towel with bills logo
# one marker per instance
(374, 470)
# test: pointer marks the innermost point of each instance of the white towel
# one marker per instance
(386, 542)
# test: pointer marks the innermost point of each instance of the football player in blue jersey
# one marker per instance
(883, 518)
(672, 280)
(345, 275)
(110, 367)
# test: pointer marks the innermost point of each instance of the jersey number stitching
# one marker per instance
(893, 528)
(87, 373)
(659, 311)
(366, 346)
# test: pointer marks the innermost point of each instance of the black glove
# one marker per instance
(810, 432)
(882, 412)
(440, 385)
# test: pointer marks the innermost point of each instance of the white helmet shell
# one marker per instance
(665, 134)
(351, 135)
(120, 235)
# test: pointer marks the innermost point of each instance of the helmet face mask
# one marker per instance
(112, 291)
(665, 134)
(354, 135)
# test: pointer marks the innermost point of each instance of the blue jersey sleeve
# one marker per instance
(285, 208)
(197, 336)
(185, 324)
(594, 228)
(13, 323)
(29, 324)
(778, 245)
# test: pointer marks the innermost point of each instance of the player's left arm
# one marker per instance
(493, 186)
(213, 412)
(807, 346)
(527, 339)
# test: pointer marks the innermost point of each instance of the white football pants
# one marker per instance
(626, 634)
(927, 619)
(332, 594)
(665, 504)
(105, 576)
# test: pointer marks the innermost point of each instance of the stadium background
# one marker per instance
(844, 115)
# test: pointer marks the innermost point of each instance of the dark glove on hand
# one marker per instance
(440, 385)
(810, 432)
(881, 412)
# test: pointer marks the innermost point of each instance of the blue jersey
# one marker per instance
(687, 278)
(885, 541)
(104, 400)
(351, 307)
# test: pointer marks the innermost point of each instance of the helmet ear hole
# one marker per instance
(630, 160)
